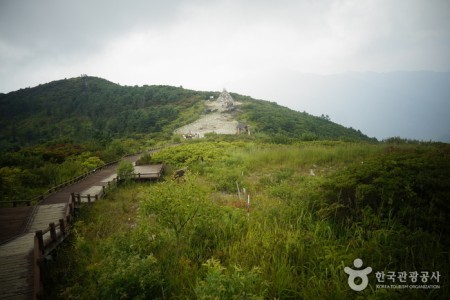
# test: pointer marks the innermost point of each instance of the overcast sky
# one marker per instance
(211, 44)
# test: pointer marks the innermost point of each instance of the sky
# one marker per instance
(215, 44)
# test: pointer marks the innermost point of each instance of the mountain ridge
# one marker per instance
(89, 107)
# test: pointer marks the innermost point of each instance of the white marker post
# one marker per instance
(239, 192)
(248, 206)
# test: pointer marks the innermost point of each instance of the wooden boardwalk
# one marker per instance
(18, 226)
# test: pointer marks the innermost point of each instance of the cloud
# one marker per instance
(395, 35)
(205, 44)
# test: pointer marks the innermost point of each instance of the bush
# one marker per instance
(232, 283)
(125, 170)
(146, 158)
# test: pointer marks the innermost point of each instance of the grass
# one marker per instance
(194, 238)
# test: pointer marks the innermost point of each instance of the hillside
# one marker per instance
(87, 108)
(265, 221)
(55, 131)
(277, 214)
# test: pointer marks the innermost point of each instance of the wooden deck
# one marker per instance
(19, 224)
(13, 220)
(148, 172)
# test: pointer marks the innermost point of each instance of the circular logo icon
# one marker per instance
(353, 274)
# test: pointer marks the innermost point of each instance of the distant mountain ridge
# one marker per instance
(93, 108)
(409, 104)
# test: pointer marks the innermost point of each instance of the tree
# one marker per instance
(325, 117)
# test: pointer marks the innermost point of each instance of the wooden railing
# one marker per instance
(16, 203)
(149, 175)
(46, 240)
(54, 189)
(40, 198)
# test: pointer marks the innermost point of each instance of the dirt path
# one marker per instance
(218, 120)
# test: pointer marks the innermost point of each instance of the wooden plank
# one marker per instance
(92, 191)
(109, 178)
(15, 269)
(13, 221)
(47, 214)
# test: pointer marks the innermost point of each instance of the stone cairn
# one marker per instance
(226, 99)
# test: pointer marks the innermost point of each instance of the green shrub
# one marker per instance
(232, 283)
(125, 170)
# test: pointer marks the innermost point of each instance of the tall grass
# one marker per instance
(309, 154)
(194, 238)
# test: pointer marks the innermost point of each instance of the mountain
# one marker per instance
(91, 108)
(411, 105)
(87, 108)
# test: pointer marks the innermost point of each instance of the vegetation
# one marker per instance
(277, 214)
(145, 159)
(283, 125)
(31, 170)
(314, 208)
(125, 170)
(56, 131)
(90, 108)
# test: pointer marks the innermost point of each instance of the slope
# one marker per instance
(90, 108)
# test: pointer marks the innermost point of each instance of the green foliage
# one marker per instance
(92, 162)
(176, 208)
(316, 204)
(408, 183)
(91, 108)
(145, 158)
(132, 277)
(16, 183)
(220, 283)
(284, 126)
(125, 170)
(56, 131)
(193, 238)
(186, 154)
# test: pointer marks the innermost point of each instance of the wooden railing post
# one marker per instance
(89, 198)
(96, 197)
(79, 200)
(62, 226)
(52, 231)
(37, 267)
(40, 238)
(72, 204)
